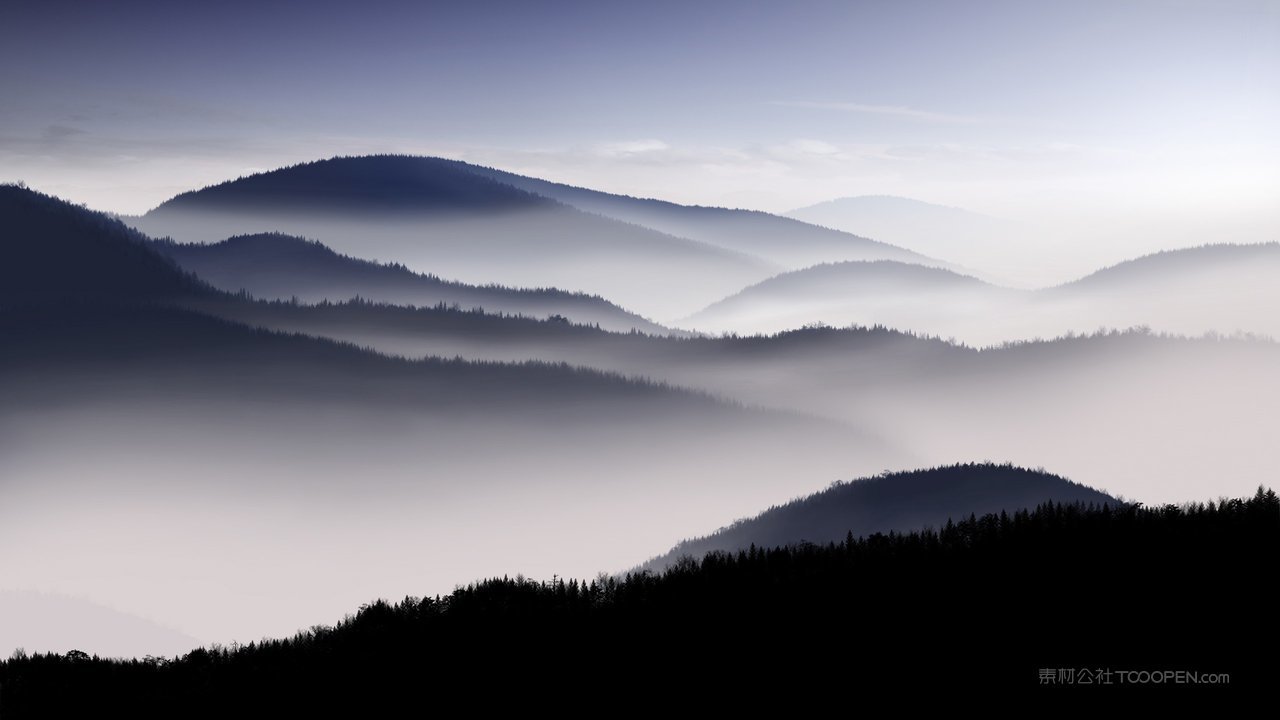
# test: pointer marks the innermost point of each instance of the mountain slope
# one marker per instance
(897, 502)
(781, 240)
(1187, 567)
(160, 460)
(1211, 289)
(1194, 269)
(949, 233)
(439, 217)
(50, 250)
(274, 266)
(923, 299)
(1133, 411)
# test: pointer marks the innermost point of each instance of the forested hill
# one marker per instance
(900, 502)
(273, 266)
(53, 250)
(993, 602)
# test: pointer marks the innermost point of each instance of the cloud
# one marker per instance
(631, 147)
(803, 147)
(58, 133)
(893, 110)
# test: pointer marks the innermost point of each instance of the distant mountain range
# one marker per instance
(780, 240)
(482, 226)
(894, 502)
(61, 623)
(463, 228)
(1096, 406)
(142, 396)
(1214, 288)
(281, 267)
(186, 456)
(960, 236)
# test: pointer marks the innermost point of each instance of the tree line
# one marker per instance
(982, 602)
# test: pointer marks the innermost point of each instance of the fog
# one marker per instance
(231, 485)
(1154, 418)
(208, 464)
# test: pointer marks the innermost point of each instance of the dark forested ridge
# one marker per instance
(53, 250)
(87, 305)
(980, 603)
(273, 266)
(893, 502)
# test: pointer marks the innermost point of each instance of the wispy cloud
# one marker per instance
(631, 147)
(894, 110)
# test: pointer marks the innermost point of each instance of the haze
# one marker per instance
(306, 304)
(1111, 128)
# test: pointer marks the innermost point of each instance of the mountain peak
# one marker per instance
(897, 502)
(370, 183)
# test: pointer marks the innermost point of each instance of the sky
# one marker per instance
(1098, 118)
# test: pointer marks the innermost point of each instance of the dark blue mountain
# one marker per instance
(374, 185)
(445, 218)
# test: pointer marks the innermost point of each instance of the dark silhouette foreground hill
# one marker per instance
(987, 603)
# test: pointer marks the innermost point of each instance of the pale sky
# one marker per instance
(1142, 114)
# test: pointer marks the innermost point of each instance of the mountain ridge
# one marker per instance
(275, 266)
(898, 502)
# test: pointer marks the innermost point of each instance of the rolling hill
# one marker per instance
(160, 460)
(1097, 406)
(780, 240)
(992, 248)
(927, 300)
(1222, 289)
(437, 216)
(281, 267)
(51, 251)
(894, 502)
(768, 614)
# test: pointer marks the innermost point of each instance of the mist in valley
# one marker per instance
(231, 436)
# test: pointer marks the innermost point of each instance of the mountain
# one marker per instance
(239, 482)
(1221, 289)
(275, 266)
(1132, 410)
(53, 251)
(768, 616)
(949, 233)
(781, 240)
(1197, 270)
(899, 502)
(923, 299)
(440, 217)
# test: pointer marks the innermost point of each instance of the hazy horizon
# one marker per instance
(1108, 128)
